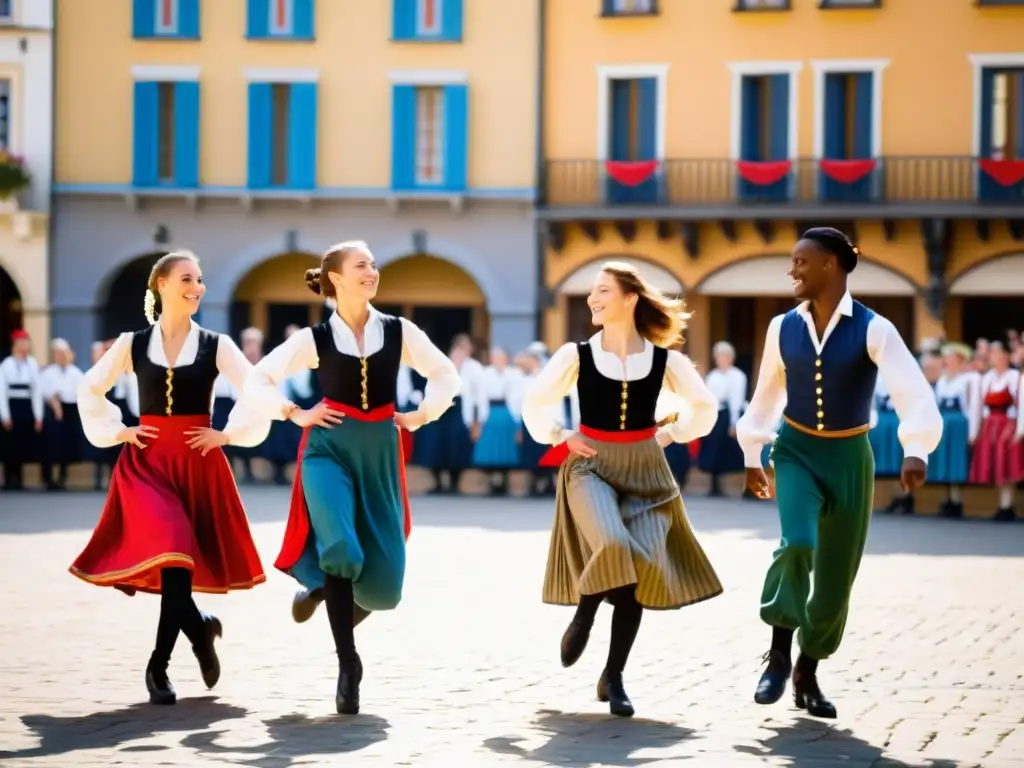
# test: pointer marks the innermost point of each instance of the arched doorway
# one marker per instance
(274, 295)
(989, 299)
(123, 295)
(436, 295)
(10, 311)
(746, 295)
(574, 289)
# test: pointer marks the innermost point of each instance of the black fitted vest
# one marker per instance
(342, 377)
(183, 391)
(613, 405)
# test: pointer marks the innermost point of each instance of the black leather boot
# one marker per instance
(611, 690)
(574, 640)
(806, 693)
(206, 654)
(350, 675)
(772, 684)
(161, 692)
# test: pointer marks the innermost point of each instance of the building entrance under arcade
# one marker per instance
(273, 295)
(987, 300)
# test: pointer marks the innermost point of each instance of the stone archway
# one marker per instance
(436, 294)
(986, 299)
(273, 295)
(11, 314)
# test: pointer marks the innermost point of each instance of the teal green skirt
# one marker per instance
(352, 482)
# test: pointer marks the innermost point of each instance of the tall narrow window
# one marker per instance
(5, 114)
(429, 135)
(5, 10)
(165, 117)
(281, 96)
(428, 17)
(166, 17)
(1007, 119)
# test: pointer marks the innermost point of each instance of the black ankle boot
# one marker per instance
(611, 690)
(806, 693)
(574, 640)
(350, 675)
(206, 654)
(772, 684)
(161, 691)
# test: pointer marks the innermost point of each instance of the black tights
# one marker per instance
(340, 614)
(178, 612)
(625, 622)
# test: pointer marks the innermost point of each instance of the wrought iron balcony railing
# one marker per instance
(884, 181)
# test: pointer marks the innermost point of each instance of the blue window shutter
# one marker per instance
(750, 118)
(403, 25)
(146, 134)
(188, 19)
(863, 119)
(607, 9)
(451, 20)
(988, 89)
(186, 134)
(302, 135)
(620, 148)
(143, 18)
(646, 119)
(303, 15)
(456, 136)
(403, 137)
(258, 21)
(835, 116)
(1017, 82)
(261, 109)
(778, 117)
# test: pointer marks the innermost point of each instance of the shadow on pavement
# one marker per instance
(809, 743)
(107, 730)
(581, 740)
(293, 738)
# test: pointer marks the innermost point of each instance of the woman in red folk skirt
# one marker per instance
(173, 522)
(997, 454)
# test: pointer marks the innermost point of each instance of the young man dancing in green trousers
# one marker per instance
(820, 363)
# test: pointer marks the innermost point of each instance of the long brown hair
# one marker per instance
(658, 318)
(160, 270)
(317, 279)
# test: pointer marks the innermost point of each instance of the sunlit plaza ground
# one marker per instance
(466, 671)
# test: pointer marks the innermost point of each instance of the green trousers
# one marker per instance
(825, 490)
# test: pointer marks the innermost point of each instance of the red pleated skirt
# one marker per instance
(170, 507)
(997, 459)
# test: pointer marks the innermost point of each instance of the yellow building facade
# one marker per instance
(699, 140)
(260, 132)
(26, 91)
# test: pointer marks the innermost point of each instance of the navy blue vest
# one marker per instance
(833, 391)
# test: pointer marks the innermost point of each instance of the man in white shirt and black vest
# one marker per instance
(822, 360)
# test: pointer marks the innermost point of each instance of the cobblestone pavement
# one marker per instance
(466, 671)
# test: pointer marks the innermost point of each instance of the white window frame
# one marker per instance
(606, 73)
(166, 29)
(823, 67)
(741, 69)
(173, 73)
(289, 18)
(422, 30)
(979, 63)
(436, 151)
(280, 75)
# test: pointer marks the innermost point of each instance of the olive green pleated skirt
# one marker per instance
(620, 520)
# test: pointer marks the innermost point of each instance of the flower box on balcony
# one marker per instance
(14, 177)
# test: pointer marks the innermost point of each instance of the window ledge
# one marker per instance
(629, 14)
(847, 5)
(742, 7)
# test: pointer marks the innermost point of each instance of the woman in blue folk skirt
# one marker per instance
(497, 450)
(950, 463)
(885, 443)
(349, 515)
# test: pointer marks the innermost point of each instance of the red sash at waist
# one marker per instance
(556, 455)
(172, 429)
(297, 528)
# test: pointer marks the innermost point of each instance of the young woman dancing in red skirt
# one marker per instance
(173, 523)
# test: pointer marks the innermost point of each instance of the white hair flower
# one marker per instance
(149, 307)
